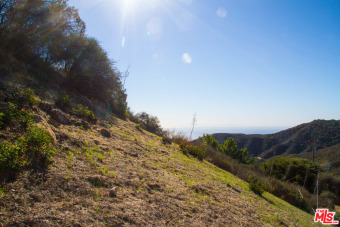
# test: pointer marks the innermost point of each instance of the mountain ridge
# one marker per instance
(296, 140)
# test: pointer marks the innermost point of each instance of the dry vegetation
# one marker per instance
(155, 184)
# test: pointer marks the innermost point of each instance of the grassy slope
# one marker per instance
(156, 184)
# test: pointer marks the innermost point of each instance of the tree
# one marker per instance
(150, 123)
(229, 147)
(47, 37)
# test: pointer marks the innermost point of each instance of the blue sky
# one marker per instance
(236, 64)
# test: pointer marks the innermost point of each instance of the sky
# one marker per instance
(257, 64)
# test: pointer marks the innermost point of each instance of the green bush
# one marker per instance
(25, 98)
(34, 150)
(229, 147)
(199, 151)
(292, 169)
(289, 193)
(84, 112)
(12, 156)
(256, 185)
(39, 146)
(219, 159)
(2, 116)
(63, 101)
(166, 140)
(149, 123)
(15, 116)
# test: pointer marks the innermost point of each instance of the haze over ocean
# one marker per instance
(199, 131)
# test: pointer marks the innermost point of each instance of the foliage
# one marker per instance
(292, 169)
(63, 101)
(258, 182)
(229, 148)
(34, 150)
(289, 192)
(46, 40)
(84, 112)
(2, 116)
(256, 185)
(12, 156)
(219, 159)
(149, 123)
(25, 98)
(330, 183)
(39, 146)
(166, 140)
(198, 151)
(15, 117)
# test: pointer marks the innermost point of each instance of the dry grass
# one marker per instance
(157, 185)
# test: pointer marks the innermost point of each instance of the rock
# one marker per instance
(45, 106)
(113, 192)
(59, 116)
(106, 133)
(37, 119)
(53, 122)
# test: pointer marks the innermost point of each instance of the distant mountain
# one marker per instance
(297, 140)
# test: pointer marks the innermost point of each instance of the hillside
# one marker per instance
(297, 140)
(113, 173)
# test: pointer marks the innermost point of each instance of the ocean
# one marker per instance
(199, 131)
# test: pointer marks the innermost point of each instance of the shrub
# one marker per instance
(256, 185)
(34, 150)
(39, 146)
(84, 112)
(337, 217)
(292, 169)
(166, 140)
(12, 156)
(219, 159)
(132, 117)
(229, 147)
(25, 98)
(199, 151)
(15, 116)
(289, 193)
(150, 123)
(2, 116)
(63, 101)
